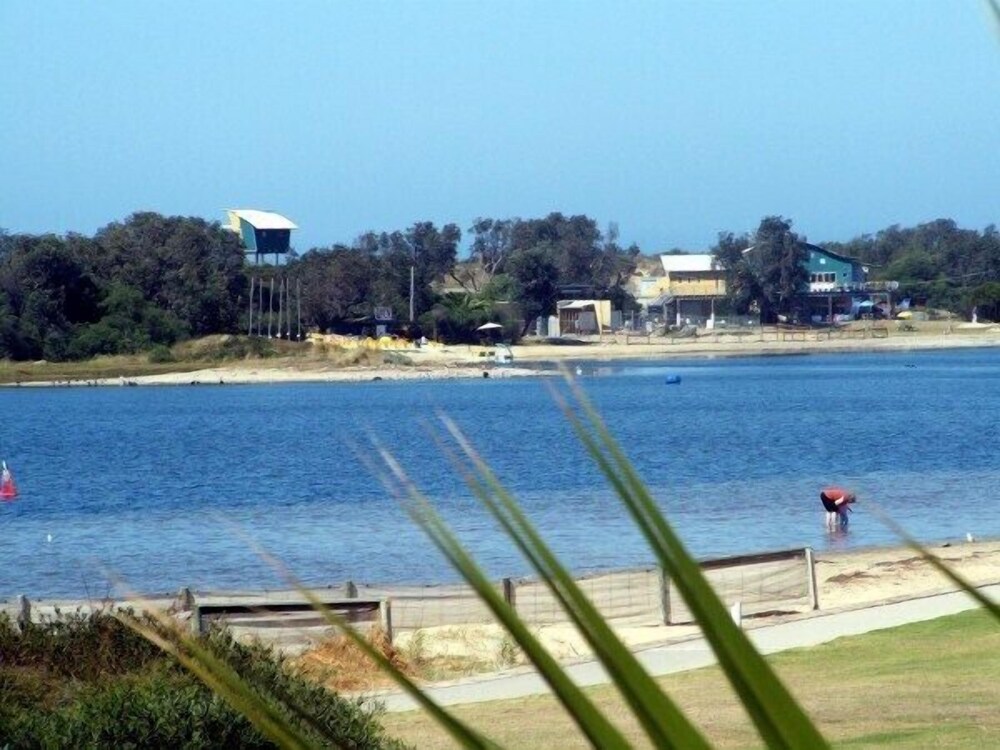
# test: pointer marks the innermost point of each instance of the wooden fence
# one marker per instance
(764, 583)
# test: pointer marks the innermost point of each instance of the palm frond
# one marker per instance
(664, 723)
(594, 725)
(779, 718)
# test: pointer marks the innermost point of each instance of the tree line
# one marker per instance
(516, 270)
(154, 280)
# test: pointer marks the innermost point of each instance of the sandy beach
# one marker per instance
(845, 580)
(442, 362)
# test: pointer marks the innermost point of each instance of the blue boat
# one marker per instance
(673, 379)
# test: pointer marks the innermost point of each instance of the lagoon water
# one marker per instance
(163, 487)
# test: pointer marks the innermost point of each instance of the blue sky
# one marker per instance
(674, 119)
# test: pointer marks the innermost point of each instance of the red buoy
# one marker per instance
(8, 490)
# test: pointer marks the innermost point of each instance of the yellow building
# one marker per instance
(691, 288)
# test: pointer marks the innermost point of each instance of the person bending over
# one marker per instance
(837, 503)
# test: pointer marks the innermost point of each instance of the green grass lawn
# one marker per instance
(928, 685)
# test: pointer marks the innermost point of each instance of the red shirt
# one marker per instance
(835, 493)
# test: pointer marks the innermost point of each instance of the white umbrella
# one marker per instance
(489, 326)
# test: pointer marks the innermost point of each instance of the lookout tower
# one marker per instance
(263, 232)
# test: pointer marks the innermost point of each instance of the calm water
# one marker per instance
(160, 485)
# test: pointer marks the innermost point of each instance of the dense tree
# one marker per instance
(572, 255)
(423, 249)
(190, 267)
(130, 323)
(153, 279)
(573, 244)
(492, 244)
(536, 282)
(936, 263)
(743, 288)
(46, 293)
(612, 269)
(336, 284)
(778, 257)
(456, 317)
(985, 299)
(767, 271)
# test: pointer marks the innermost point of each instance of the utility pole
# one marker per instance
(270, 307)
(250, 330)
(411, 290)
(260, 306)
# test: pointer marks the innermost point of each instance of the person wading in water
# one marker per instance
(837, 503)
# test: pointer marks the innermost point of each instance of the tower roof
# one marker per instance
(260, 219)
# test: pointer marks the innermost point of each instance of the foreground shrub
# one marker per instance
(89, 681)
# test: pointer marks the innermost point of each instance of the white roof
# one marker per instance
(692, 262)
(263, 219)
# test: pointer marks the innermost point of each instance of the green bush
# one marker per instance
(160, 354)
(89, 681)
(83, 647)
(238, 347)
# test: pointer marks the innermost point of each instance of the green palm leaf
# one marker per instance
(595, 726)
(782, 723)
(664, 723)
(461, 732)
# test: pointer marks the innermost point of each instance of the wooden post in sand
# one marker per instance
(811, 578)
(385, 618)
(664, 597)
(510, 592)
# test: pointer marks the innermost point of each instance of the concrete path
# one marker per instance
(810, 630)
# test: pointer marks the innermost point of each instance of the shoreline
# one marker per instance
(845, 580)
(466, 361)
(879, 555)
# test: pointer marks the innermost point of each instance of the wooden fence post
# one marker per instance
(385, 617)
(185, 600)
(811, 578)
(665, 596)
(510, 592)
(196, 620)
(23, 617)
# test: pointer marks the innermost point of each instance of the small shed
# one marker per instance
(584, 316)
(262, 232)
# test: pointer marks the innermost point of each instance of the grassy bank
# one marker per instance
(930, 684)
(199, 354)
